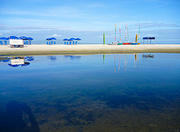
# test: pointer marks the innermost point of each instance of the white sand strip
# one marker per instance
(89, 49)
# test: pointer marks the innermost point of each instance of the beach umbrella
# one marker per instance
(48, 39)
(4, 38)
(29, 39)
(23, 38)
(77, 39)
(53, 38)
(65, 40)
(72, 39)
(13, 37)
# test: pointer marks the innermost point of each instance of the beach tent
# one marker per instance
(16, 42)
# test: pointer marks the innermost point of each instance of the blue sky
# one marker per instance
(88, 19)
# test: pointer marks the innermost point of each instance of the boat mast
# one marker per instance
(115, 32)
(127, 34)
(120, 34)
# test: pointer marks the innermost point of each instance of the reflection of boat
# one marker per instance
(148, 56)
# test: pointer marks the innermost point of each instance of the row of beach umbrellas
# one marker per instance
(71, 41)
(4, 40)
(51, 40)
(15, 37)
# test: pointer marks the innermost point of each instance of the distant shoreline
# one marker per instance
(89, 49)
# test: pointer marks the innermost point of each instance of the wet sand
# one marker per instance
(89, 49)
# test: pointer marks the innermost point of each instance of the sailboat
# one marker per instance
(136, 39)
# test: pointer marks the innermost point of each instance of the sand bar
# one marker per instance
(89, 49)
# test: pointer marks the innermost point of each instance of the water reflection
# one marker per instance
(17, 61)
(148, 56)
(87, 96)
(4, 59)
(72, 57)
(122, 61)
(52, 58)
(18, 117)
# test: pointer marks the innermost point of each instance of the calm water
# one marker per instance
(94, 93)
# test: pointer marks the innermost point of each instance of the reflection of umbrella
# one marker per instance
(52, 57)
(5, 60)
(72, 57)
(13, 65)
(29, 58)
(25, 64)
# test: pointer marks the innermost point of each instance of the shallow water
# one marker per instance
(94, 93)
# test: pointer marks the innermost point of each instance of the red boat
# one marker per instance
(126, 43)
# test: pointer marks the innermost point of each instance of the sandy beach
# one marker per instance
(89, 49)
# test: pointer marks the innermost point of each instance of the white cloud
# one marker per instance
(56, 35)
